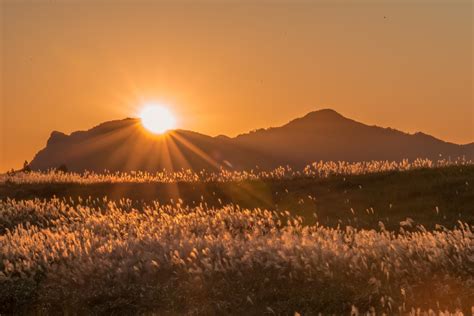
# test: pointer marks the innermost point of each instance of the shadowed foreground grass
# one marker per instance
(99, 257)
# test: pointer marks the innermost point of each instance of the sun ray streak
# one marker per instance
(196, 150)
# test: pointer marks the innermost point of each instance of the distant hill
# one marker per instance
(320, 135)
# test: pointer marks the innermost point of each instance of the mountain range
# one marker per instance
(124, 145)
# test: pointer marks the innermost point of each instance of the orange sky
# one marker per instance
(226, 67)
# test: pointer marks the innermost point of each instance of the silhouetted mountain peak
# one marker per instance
(122, 145)
(56, 137)
(325, 118)
(327, 114)
(113, 125)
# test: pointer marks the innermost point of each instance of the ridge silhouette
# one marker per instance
(123, 145)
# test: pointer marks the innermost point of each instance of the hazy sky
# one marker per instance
(226, 67)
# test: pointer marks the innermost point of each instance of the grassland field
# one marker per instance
(398, 242)
(429, 196)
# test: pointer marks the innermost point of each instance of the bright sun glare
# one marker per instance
(157, 119)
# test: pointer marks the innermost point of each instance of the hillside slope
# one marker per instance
(320, 135)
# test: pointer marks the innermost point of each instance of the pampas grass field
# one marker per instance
(92, 255)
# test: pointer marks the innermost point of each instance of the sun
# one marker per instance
(157, 119)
